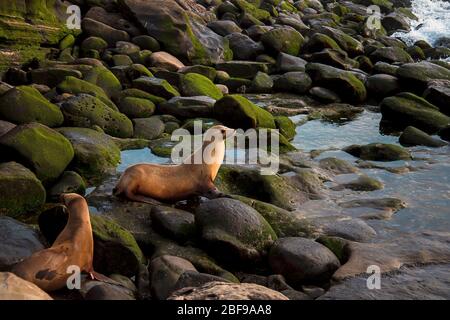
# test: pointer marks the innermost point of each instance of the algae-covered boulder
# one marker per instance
(286, 126)
(20, 190)
(379, 152)
(44, 150)
(87, 111)
(234, 230)
(115, 249)
(407, 109)
(349, 44)
(136, 107)
(181, 30)
(418, 74)
(95, 153)
(349, 87)
(390, 55)
(52, 76)
(243, 69)
(69, 182)
(414, 137)
(193, 84)
(25, 104)
(105, 79)
(286, 40)
(236, 111)
(155, 86)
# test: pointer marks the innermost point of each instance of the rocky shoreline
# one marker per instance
(71, 102)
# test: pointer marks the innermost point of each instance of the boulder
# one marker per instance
(349, 44)
(148, 128)
(188, 107)
(379, 152)
(87, 111)
(243, 69)
(166, 61)
(136, 107)
(146, 42)
(233, 230)
(382, 85)
(414, 137)
(289, 63)
(344, 82)
(51, 77)
(438, 93)
(101, 291)
(14, 288)
(236, 111)
(417, 75)
(206, 71)
(99, 29)
(69, 182)
(5, 127)
(22, 105)
(194, 84)
(391, 55)
(224, 27)
(293, 82)
(105, 79)
(155, 86)
(175, 223)
(283, 39)
(243, 47)
(44, 150)
(262, 83)
(302, 260)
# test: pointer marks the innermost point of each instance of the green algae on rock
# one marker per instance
(193, 84)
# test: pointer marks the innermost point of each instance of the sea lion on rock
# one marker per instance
(48, 268)
(168, 183)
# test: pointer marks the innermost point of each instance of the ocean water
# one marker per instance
(433, 21)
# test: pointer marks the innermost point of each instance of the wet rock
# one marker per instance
(394, 22)
(206, 71)
(188, 107)
(349, 44)
(166, 61)
(318, 42)
(294, 82)
(337, 166)
(105, 79)
(302, 260)
(342, 226)
(136, 107)
(243, 47)
(52, 76)
(379, 152)
(290, 63)
(418, 74)
(414, 137)
(324, 95)
(362, 183)
(99, 291)
(438, 93)
(344, 82)
(17, 242)
(155, 86)
(243, 69)
(101, 30)
(286, 127)
(392, 204)
(262, 83)
(236, 111)
(234, 229)
(174, 223)
(445, 133)
(43, 149)
(69, 182)
(193, 84)
(148, 128)
(15, 288)
(146, 43)
(95, 153)
(391, 55)
(382, 85)
(5, 127)
(224, 27)
(87, 111)
(283, 39)
(407, 109)
(25, 104)
(227, 291)
(165, 272)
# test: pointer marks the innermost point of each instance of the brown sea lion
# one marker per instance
(48, 268)
(149, 182)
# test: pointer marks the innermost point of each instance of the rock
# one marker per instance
(227, 291)
(243, 69)
(382, 85)
(318, 42)
(262, 83)
(302, 260)
(236, 111)
(188, 107)
(14, 288)
(243, 47)
(174, 223)
(294, 82)
(180, 30)
(350, 88)
(394, 22)
(69, 182)
(109, 292)
(286, 127)
(438, 93)
(385, 68)
(98, 29)
(193, 84)
(18, 241)
(46, 151)
(165, 272)
(234, 230)
(324, 95)
(289, 63)
(96, 154)
(335, 58)
(136, 107)
(383, 208)
(390, 55)
(5, 127)
(146, 43)
(337, 166)
(418, 74)
(87, 111)
(136, 93)
(406, 109)
(166, 61)
(349, 44)
(414, 137)
(105, 79)
(224, 27)
(106, 15)
(379, 152)
(94, 43)
(206, 71)
(52, 76)
(362, 183)
(25, 104)
(283, 39)
(148, 128)
(445, 133)
(343, 227)
(194, 279)
(155, 86)
(122, 60)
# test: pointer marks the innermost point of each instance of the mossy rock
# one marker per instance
(417, 75)
(115, 249)
(26, 104)
(51, 77)
(336, 245)
(67, 42)
(252, 8)
(20, 190)
(75, 86)
(69, 182)
(96, 154)
(44, 150)
(235, 111)
(136, 93)
(206, 71)
(379, 152)
(349, 44)
(194, 84)
(320, 41)
(155, 86)
(286, 40)
(136, 107)
(407, 109)
(286, 126)
(87, 111)
(93, 43)
(105, 79)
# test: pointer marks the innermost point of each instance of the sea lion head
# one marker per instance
(221, 131)
(68, 198)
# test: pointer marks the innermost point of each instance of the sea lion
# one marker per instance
(48, 268)
(168, 183)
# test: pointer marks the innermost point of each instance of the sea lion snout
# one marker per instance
(224, 131)
(67, 198)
